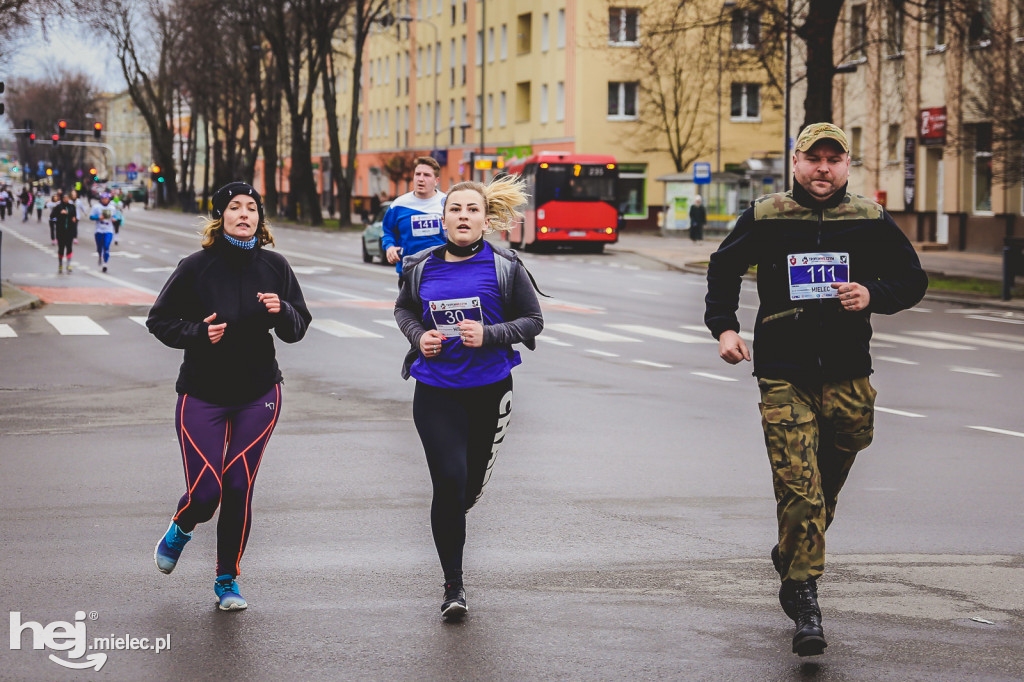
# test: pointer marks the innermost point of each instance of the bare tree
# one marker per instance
(148, 68)
(60, 94)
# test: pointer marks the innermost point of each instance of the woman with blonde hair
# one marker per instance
(219, 306)
(462, 305)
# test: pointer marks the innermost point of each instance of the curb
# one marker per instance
(14, 299)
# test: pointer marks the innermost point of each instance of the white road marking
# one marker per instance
(994, 319)
(1003, 432)
(976, 371)
(553, 341)
(923, 343)
(1012, 338)
(919, 310)
(898, 361)
(333, 292)
(388, 323)
(716, 377)
(746, 336)
(310, 269)
(6, 332)
(76, 325)
(342, 330)
(138, 318)
(166, 268)
(662, 333)
(899, 413)
(592, 334)
(960, 338)
(652, 364)
(602, 353)
(568, 281)
(644, 292)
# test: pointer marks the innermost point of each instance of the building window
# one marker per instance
(523, 102)
(935, 14)
(544, 103)
(437, 58)
(479, 48)
(622, 25)
(419, 118)
(524, 30)
(454, 13)
(490, 45)
(622, 101)
(856, 146)
(490, 111)
(453, 63)
(982, 167)
(545, 29)
(894, 25)
(504, 42)
(561, 28)
(462, 44)
(479, 112)
(502, 109)
(893, 143)
(745, 102)
(858, 31)
(560, 101)
(463, 120)
(746, 29)
(979, 28)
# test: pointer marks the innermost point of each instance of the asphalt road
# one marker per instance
(624, 533)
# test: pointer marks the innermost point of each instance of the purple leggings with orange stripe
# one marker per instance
(221, 447)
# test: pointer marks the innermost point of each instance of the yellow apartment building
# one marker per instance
(932, 108)
(125, 130)
(491, 80)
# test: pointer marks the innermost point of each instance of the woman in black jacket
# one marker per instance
(219, 306)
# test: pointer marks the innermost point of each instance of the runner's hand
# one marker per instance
(216, 331)
(430, 343)
(393, 254)
(472, 333)
(853, 296)
(272, 301)
(732, 348)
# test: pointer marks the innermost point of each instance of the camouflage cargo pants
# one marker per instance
(812, 436)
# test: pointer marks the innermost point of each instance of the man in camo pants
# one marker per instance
(826, 259)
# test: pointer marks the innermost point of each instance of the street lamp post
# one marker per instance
(789, 61)
(728, 4)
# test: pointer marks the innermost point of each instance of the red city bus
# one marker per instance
(572, 200)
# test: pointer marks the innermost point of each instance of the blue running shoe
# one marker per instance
(169, 548)
(227, 592)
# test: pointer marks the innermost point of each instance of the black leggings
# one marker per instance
(461, 430)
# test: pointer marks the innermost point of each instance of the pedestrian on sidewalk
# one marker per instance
(462, 305)
(698, 219)
(826, 260)
(220, 305)
(64, 220)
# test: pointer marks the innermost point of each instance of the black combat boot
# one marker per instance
(799, 598)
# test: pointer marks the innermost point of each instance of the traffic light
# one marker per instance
(56, 139)
(2, 88)
(97, 129)
(93, 172)
(155, 173)
(31, 138)
(62, 128)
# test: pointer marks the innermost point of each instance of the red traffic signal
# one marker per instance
(31, 138)
(97, 129)
(62, 127)
(56, 138)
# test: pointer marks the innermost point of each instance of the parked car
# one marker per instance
(372, 233)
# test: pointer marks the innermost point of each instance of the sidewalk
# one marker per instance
(13, 299)
(682, 254)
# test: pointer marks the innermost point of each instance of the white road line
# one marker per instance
(644, 292)
(1003, 432)
(553, 341)
(994, 319)
(652, 364)
(923, 343)
(165, 268)
(584, 306)
(662, 333)
(334, 292)
(388, 323)
(588, 333)
(960, 338)
(976, 371)
(898, 361)
(899, 413)
(602, 353)
(6, 332)
(568, 281)
(716, 377)
(919, 310)
(1012, 338)
(76, 325)
(139, 319)
(342, 330)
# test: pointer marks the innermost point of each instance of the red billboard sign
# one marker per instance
(932, 126)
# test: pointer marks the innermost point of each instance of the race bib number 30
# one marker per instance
(812, 274)
(448, 314)
(425, 225)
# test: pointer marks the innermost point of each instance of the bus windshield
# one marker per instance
(575, 183)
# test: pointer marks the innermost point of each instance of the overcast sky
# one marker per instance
(69, 44)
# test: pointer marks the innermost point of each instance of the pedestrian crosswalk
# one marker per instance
(597, 339)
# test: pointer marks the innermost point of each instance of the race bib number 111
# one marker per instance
(811, 275)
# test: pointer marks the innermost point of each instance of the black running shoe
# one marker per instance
(454, 608)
